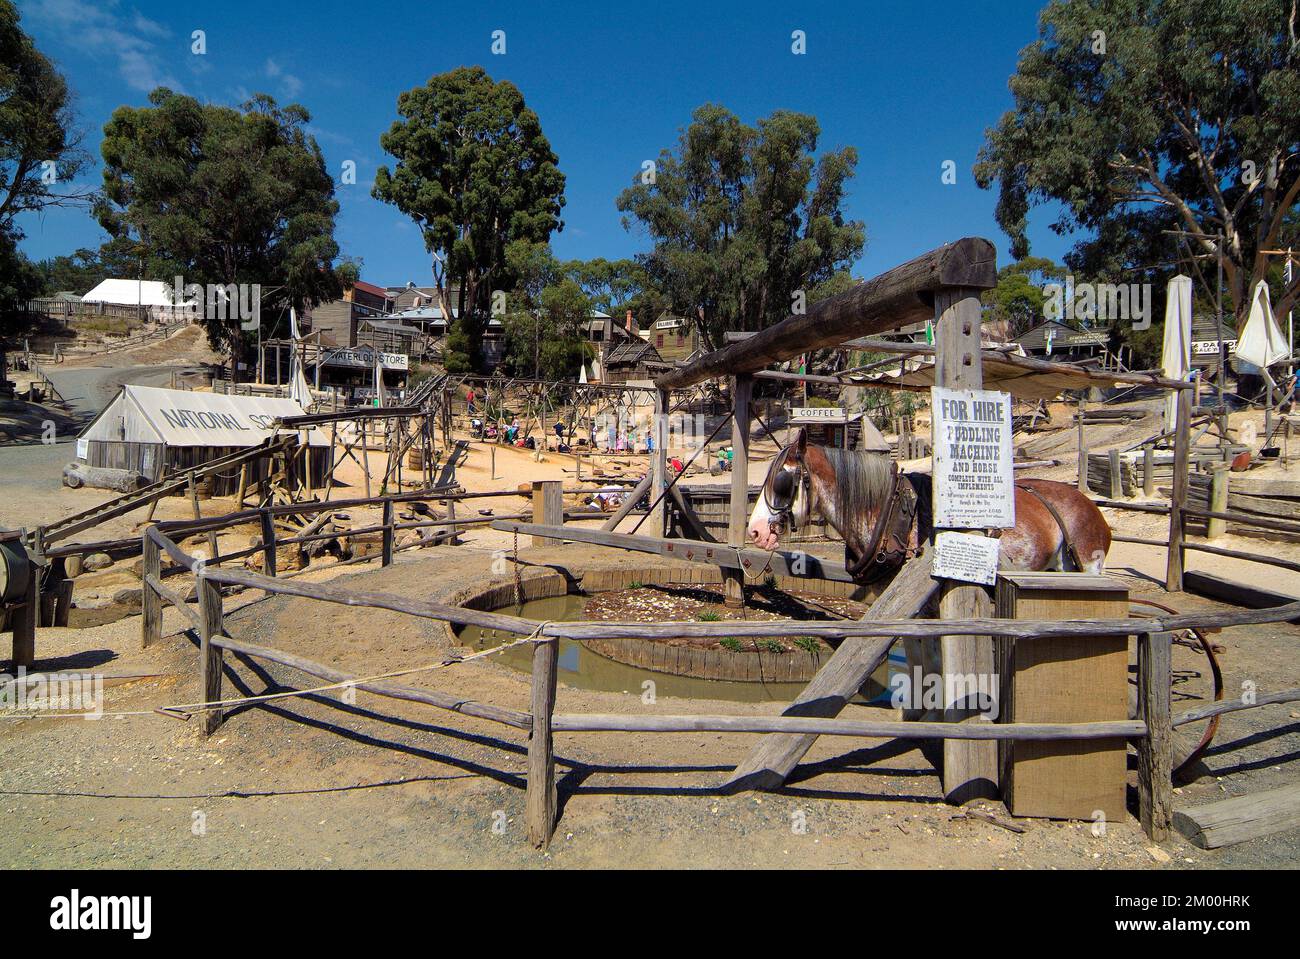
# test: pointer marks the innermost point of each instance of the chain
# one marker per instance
(519, 583)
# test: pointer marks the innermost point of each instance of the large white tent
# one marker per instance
(154, 431)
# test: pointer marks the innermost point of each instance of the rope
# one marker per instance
(187, 710)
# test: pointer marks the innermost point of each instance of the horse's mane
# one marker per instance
(862, 483)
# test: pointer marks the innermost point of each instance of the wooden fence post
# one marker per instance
(212, 621)
(548, 507)
(1214, 528)
(387, 558)
(1083, 448)
(970, 767)
(151, 604)
(1116, 477)
(1155, 750)
(742, 389)
(268, 543)
(1149, 469)
(1178, 496)
(541, 797)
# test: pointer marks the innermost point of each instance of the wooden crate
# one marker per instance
(1063, 680)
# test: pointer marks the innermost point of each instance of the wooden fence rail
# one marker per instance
(1151, 732)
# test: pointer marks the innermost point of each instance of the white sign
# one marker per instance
(974, 484)
(83, 449)
(1211, 347)
(828, 414)
(366, 357)
(968, 557)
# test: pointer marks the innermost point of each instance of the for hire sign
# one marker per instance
(974, 485)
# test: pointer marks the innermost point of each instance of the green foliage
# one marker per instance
(808, 644)
(544, 328)
(729, 642)
(220, 195)
(36, 130)
(1138, 116)
(476, 174)
(616, 286)
(742, 217)
(1018, 298)
(771, 646)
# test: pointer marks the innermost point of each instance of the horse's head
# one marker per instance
(785, 497)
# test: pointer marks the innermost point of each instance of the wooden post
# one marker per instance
(268, 543)
(541, 797)
(23, 620)
(548, 507)
(1116, 478)
(212, 626)
(1083, 448)
(151, 605)
(387, 558)
(1149, 469)
(1155, 750)
(451, 515)
(659, 465)
(742, 389)
(1214, 528)
(1063, 679)
(970, 767)
(1178, 498)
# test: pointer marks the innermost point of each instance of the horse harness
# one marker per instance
(892, 531)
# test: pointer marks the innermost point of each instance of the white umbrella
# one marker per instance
(298, 389)
(1176, 359)
(381, 398)
(582, 372)
(1262, 342)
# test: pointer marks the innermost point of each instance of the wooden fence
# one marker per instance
(1151, 733)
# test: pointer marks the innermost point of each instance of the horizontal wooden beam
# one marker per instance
(818, 726)
(896, 298)
(754, 562)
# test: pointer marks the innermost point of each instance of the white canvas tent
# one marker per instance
(154, 431)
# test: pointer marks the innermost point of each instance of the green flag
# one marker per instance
(929, 333)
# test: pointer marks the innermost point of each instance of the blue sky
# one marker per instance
(909, 84)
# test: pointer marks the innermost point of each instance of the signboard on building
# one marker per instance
(1088, 338)
(974, 484)
(1211, 347)
(969, 557)
(364, 357)
(822, 414)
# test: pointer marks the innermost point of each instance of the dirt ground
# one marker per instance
(318, 781)
(326, 782)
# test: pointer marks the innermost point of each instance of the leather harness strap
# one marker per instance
(888, 545)
(1065, 533)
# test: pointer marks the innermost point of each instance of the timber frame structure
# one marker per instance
(944, 285)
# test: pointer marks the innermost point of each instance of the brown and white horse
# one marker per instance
(1057, 527)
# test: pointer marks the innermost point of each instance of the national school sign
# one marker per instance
(974, 484)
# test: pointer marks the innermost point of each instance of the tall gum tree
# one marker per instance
(476, 174)
(743, 219)
(40, 155)
(218, 195)
(1140, 117)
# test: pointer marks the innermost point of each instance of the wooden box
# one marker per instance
(1070, 679)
